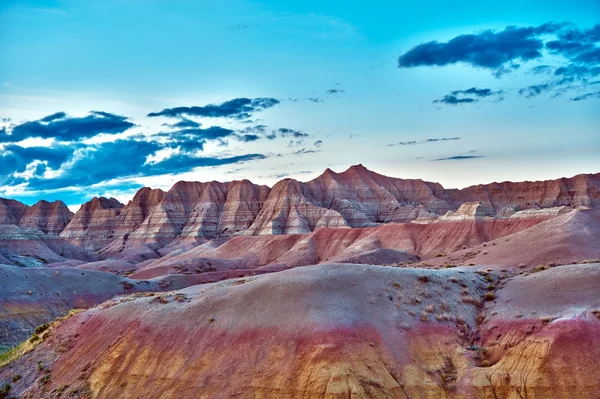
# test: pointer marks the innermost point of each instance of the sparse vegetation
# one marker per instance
(539, 269)
(4, 391)
(490, 296)
(27, 346)
(42, 328)
(446, 375)
(423, 279)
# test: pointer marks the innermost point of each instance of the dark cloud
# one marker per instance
(285, 132)
(557, 86)
(18, 157)
(459, 157)
(304, 151)
(497, 51)
(238, 108)
(460, 96)
(65, 128)
(335, 91)
(183, 124)
(433, 140)
(249, 137)
(96, 163)
(318, 143)
(586, 96)
(257, 129)
(57, 115)
(578, 71)
(454, 100)
(541, 69)
(315, 99)
(194, 139)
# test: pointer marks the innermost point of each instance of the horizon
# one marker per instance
(102, 99)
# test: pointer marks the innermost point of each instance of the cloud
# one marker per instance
(249, 137)
(256, 129)
(315, 99)
(318, 143)
(238, 108)
(65, 128)
(94, 164)
(541, 69)
(537, 89)
(285, 132)
(183, 123)
(335, 91)
(459, 157)
(504, 51)
(595, 94)
(433, 140)
(304, 151)
(578, 71)
(460, 96)
(497, 51)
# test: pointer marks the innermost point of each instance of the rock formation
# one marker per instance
(49, 217)
(93, 225)
(192, 212)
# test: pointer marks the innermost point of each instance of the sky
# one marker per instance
(102, 97)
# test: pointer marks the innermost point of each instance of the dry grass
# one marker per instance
(38, 337)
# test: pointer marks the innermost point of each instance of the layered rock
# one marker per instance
(193, 212)
(11, 211)
(578, 191)
(354, 198)
(93, 225)
(49, 217)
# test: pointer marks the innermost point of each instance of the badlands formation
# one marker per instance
(353, 284)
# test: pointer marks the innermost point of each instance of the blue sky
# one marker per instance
(438, 90)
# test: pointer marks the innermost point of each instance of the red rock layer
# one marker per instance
(387, 244)
(11, 211)
(93, 225)
(49, 217)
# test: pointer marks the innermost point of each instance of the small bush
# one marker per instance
(423, 279)
(5, 390)
(16, 377)
(490, 296)
(424, 316)
(42, 328)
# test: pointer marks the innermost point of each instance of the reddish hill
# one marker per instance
(49, 217)
(388, 244)
(326, 331)
(567, 238)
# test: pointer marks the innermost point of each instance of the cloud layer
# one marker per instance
(238, 108)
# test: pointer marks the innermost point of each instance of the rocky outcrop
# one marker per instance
(578, 191)
(11, 211)
(93, 225)
(49, 217)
